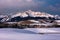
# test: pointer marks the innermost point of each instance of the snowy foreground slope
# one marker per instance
(25, 34)
(45, 30)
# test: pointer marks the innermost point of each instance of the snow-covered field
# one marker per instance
(45, 30)
(27, 34)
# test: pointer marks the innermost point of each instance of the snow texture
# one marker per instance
(24, 34)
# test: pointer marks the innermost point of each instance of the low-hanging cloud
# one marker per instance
(49, 6)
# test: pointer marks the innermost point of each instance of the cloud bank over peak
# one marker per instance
(17, 3)
(49, 6)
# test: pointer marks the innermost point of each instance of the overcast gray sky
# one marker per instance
(49, 6)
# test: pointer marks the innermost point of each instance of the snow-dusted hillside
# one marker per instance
(3, 18)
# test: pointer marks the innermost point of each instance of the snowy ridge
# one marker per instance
(28, 13)
(3, 18)
(33, 14)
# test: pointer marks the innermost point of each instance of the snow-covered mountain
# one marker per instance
(27, 15)
(32, 14)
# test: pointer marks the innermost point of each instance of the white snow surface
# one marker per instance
(24, 34)
(32, 14)
(45, 30)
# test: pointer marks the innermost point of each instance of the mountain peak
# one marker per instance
(28, 14)
(33, 14)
